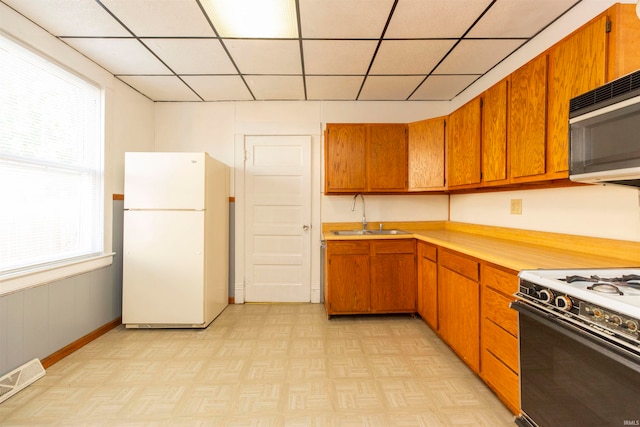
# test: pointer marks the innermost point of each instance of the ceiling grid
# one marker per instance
(379, 50)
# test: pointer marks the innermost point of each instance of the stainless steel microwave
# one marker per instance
(604, 133)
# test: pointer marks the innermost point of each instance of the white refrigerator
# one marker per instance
(176, 240)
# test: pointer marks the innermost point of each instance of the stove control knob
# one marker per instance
(616, 320)
(631, 326)
(546, 295)
(564, 302)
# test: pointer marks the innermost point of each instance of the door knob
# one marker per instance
(305, 227)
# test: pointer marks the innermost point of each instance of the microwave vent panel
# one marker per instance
(617, 90)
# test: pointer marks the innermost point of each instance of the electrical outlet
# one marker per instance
(516, 206)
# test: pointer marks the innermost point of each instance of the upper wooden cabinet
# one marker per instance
(576, 65)
(426, 154)
(527, 121)
(624, 49)
(387, 158)
(494, 135)
(344, 158)
(463, 146)
(365, 158)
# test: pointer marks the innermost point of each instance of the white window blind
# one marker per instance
(51, 166)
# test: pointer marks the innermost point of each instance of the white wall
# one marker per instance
(610, 211)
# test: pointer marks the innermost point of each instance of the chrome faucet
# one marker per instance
(353, 207)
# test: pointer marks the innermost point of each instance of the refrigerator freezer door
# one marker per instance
(164, 180)
(163, 271)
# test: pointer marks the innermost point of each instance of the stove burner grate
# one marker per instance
(605, 288)
(630, 280)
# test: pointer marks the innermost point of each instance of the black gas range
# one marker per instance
(579, 337)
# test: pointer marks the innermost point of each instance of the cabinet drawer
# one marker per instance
(465, 266)
(495, 307)
(428, 251)
(347, 248)
(404, 246)
(502, 380)
(500, 280)
(499, 342)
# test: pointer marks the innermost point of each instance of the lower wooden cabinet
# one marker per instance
(370, 276)
(348, 275)
(459, 305)
(499, 335)
(428, 283)
(393, 276)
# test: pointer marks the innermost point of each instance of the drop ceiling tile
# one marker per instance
(477, 56)
(192, 56)
(276, 87)
(161, 88)
(344, 18)
(409, 56)
(521, 18)
(338, 56)
(64, 18)
(219, 88)
(339, 88)
(166, 18)
(119, 56)
(265, 56)
(442, 88)
(389, 87)
(434, 18)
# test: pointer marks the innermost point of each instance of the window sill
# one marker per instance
(24, 280)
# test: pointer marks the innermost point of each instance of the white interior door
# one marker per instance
(278, 218)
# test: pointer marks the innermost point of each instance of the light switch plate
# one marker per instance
(516, 206)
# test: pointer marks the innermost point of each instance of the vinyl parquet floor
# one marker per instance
(263, 365)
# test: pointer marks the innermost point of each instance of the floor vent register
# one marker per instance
(20, 378)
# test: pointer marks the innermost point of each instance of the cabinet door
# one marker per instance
(426, 155)
(576, 65)
(527, 120)
(428, 284)
(387, 158)
(624, 49)
(344, 157)
(393, 276)
(348, 288)
(494, 135)
(463, 145)
(459, 315)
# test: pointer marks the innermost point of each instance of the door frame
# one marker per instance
(240, 205)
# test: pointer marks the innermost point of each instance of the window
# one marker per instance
(51, 165)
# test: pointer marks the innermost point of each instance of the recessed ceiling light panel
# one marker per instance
(253, 18)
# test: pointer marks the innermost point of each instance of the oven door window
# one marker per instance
(566, 381)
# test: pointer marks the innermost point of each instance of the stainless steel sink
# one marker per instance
(386, 232)
(350, 232)
(368, 232)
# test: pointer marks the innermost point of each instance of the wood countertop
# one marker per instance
(514, 249)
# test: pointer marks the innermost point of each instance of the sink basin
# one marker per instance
(367, 232)
(350, 232)
(386, 232)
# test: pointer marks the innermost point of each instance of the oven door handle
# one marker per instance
(600, 345)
